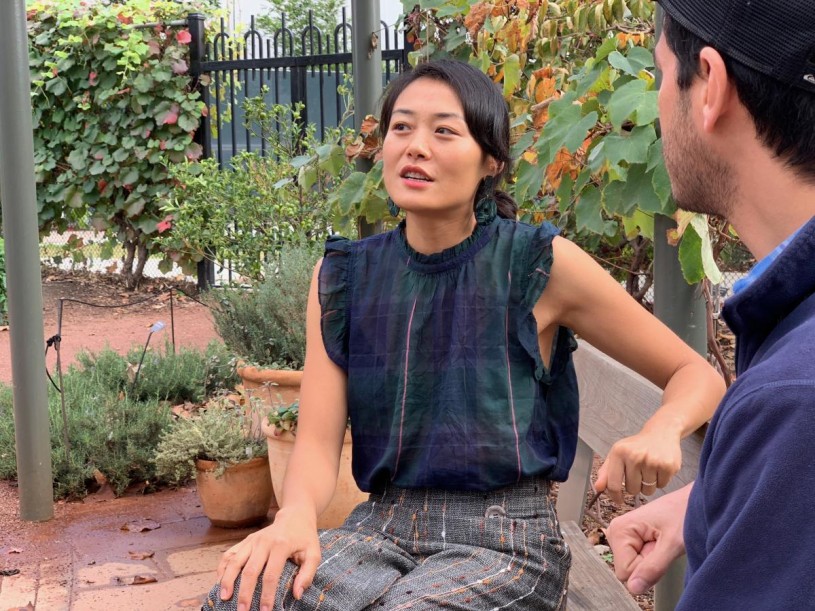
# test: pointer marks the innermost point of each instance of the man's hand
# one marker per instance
(646, 540)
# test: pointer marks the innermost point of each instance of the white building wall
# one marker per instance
(241, 10)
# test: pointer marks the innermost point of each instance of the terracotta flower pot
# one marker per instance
(346, 496)
(238, 498)
(274, 387)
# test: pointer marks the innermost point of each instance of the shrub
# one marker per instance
(240, 217)
(184, 376)
(113, 429)
(113, 107)
(266, 324)
(220, 431)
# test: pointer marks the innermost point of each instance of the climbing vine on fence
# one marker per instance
(113, 106)
(579, 79)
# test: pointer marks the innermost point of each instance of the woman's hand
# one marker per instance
(293, 535)
(640, 463)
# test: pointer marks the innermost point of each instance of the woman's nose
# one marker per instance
(418, 146)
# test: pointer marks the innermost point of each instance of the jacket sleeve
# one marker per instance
(755, 505)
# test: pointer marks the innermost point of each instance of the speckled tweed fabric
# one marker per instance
(431, 549)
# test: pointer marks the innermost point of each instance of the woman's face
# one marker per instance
(430, 160)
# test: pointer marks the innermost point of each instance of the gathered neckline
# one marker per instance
(448, 258)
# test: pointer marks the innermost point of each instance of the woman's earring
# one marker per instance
(394, 209)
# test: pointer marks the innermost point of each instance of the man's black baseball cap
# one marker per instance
(774, 37)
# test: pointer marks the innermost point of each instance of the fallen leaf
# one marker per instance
(136, 580)
(15, 550)
(140, 555)
(9, 572)
(141, 525)
(4, 328)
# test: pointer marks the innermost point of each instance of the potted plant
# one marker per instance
(265, 325)
(280, 428)
(226, 455)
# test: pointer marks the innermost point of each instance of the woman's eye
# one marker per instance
(399, 127)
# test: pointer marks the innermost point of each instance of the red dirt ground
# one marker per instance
(121, 327)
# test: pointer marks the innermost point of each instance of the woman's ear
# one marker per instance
(494, 167)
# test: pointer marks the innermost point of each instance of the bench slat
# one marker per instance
(615, 402)
(592, 584)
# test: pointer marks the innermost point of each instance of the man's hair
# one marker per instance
(784, 115)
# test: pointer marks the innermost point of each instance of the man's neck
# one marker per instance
(771, 204)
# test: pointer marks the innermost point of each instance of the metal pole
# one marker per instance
(681, 307)
(366, 52)
(32, 433)
(203, 135)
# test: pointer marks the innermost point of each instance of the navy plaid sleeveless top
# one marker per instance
(446, 385)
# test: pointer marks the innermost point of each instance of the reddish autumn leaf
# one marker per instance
(99, 156)
(180, 67)
(194, 151)
(162, 145)
(92, 78)
(183, 37)
(147, 133)
(166, 224)
(154, 47)
(369, 124)
(171, 116)
(101, 184)
(124, 19)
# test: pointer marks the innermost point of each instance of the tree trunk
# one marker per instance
(133, 263)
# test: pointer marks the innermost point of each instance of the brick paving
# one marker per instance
(83, 560)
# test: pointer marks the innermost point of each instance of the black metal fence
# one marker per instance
(284, 67)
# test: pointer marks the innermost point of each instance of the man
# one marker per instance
(737, 107)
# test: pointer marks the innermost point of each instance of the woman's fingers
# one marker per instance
(230, 566)
(649, 482)
(309, 562)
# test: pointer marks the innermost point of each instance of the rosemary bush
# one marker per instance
(113, 429)
(184, 376)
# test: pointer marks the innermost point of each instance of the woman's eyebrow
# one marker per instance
(437, 115)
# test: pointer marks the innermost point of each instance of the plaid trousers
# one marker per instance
(430, 549)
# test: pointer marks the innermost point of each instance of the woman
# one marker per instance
(447, 342)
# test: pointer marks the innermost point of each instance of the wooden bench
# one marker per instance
(614, 403)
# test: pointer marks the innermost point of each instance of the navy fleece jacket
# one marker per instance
(750, 525)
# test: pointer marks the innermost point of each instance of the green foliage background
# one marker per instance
(113, 107)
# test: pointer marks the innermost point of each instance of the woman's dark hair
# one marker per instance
(784, 115)
(485, 113)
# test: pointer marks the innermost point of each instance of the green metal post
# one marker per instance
(681, 307)
(366, 52)
(23, 268)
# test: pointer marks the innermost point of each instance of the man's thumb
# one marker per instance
(651, 568)
(600, 482)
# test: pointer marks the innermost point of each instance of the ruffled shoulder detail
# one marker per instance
(333, 289)
(535, 276)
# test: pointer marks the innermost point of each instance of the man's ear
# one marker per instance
(718, 88)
